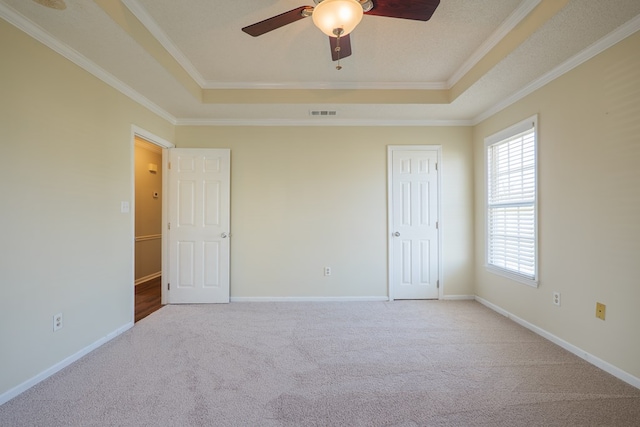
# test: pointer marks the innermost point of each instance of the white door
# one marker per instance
(413, 226)
(199, 210)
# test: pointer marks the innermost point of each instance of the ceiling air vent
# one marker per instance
(323, 113)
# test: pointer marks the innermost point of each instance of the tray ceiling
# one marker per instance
(188, 60)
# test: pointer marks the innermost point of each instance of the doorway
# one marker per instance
(150, 274)
(148, 227)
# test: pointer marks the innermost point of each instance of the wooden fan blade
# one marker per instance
(276, 22)
(419, 10)
(345, 47)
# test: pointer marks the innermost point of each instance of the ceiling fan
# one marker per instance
(337, 18)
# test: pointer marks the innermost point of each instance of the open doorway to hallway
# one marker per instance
(148, 227)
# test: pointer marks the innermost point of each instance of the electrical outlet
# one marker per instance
(600, 310)
(327, 271)
(57, 322)
(556, 298)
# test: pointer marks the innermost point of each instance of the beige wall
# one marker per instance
(304, 198)
(66, 164)
(148, 210)
(589, 211)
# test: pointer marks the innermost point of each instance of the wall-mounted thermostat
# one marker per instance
(153, 167)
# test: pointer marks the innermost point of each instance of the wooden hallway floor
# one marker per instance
(148, 298)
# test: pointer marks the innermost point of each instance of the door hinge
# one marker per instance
(436, 165)
(438, 284)
(168, 226)
(168, 286)
(437, 225)
(169, 165)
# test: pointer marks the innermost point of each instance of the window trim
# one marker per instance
(509, 132)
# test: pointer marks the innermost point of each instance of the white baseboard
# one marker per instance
(458, 297)
(10, 394)
(148, 277)
(596, 361)
(306, 299)
(334, 299)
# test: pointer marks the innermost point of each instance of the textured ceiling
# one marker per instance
(385, 49)
(189, 61)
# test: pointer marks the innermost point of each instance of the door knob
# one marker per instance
(397, 234)
(224, 235)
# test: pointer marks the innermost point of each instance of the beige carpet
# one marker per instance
(405, 363)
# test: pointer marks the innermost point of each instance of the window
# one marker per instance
(512, 202)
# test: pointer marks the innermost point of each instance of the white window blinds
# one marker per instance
(511, 201)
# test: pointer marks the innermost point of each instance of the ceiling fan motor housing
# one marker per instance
(367, 5)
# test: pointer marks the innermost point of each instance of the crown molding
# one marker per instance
(330, 86)
(509, 24)
(319, 122)
(616, 36)
(150, 24)
(19, 21)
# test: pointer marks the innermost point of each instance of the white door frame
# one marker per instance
(390, 151)
(165, 145)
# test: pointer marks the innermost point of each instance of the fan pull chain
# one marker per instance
(338, 32)
(338, 67)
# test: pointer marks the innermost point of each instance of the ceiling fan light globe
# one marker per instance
(331, 14)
